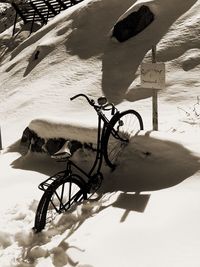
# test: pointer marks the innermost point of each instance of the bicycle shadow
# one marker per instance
(149, 164)
(128, 202)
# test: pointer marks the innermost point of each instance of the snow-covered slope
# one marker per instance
(87, 60)
(149, 212)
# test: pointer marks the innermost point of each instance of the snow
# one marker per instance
(147, 211)
(55, 128)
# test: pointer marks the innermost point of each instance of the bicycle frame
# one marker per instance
(96, 167)
(73, 184)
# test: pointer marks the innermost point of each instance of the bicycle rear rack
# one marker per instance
(44, 186)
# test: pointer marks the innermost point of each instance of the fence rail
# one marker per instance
(40, 10)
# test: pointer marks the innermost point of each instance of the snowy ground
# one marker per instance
(149, 213)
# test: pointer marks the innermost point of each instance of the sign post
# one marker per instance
(153, 77)
(0, 140)
(154, 97)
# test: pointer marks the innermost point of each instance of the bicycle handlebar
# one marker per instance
(90, 101)
(108, 106)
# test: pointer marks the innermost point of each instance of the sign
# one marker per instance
(153, 75)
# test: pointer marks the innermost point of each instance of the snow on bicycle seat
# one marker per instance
(63, 153)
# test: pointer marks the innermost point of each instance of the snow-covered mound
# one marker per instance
(54, 128)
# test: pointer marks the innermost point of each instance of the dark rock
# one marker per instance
(53, 145)
(37, 144)
(30, 141)
(75, 145)
(26, 137)
(133, 24)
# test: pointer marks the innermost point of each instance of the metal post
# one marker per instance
(31, 30)
(0, 140)
(154, 96)
(15, 21)
(153, 54)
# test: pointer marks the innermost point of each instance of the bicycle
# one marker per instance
(73, 185)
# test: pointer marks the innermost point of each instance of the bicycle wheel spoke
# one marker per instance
(70, 188)
(62, 193)
(59, 198)
(122, 127)
(115, 150)
(129, 124)
(72, 200)
(135, 125)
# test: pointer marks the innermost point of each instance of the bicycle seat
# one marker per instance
(63, 153)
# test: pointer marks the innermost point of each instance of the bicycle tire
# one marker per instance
(48, 203)
(117, 136)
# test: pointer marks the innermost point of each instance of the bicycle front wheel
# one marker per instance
(60, 196)
(120, 129)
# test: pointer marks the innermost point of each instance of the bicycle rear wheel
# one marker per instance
(60, 196)
(120, 129)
